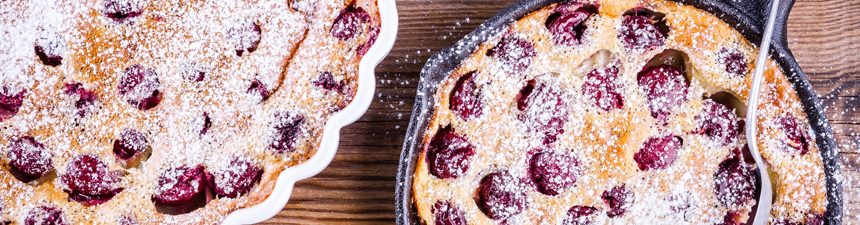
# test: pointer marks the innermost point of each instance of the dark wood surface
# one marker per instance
(358, 186)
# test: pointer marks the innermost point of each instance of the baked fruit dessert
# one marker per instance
(614, 112)
(166, 112)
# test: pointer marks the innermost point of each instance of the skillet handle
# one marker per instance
(757, 11)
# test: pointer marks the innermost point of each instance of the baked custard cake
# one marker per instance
(166, 112)
(614, 112)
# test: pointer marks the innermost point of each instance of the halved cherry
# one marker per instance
(466, 98)
(567, 22)
(665, 87)
(501, 195)
(207, 123)
(734, 182)
(449, 154)
(553, 172)
(131, 143)
(642, 29)
(327, 82)
(260, 88)
(86, 99)
(736, 63)
(447, 213)
(349, 23)
(88, 180)
(49, 49)
(287, 129)
(181, 189)
(658, 152)
(29, 159)
(542, 109)
(619, 199)
(514, 52)
(235, 179)
(10, 102)
(45, 215)
(122, 10)
(732, 218)
(140, 87)
(717, 122)
(797, 140)
(245, 36)
(600, 86)
(579, 215)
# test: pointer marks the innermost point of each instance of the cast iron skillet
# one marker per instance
(748, 17)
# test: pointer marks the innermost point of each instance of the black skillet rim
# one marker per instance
(747, 16)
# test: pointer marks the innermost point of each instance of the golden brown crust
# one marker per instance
(605, 142)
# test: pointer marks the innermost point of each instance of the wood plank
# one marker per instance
(358, 187)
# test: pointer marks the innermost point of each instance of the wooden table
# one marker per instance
(358, 186)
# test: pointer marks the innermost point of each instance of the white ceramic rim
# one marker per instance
(331, 133)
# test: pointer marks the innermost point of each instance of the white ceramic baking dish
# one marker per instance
(331, 133)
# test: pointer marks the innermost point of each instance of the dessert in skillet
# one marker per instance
(166, 112)
(613, 112)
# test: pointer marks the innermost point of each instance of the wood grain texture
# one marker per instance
(358, 187)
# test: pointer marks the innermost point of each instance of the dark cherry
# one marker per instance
(466, 98)
(542, 109)
(734, 182)
(260, 88)
(501, 195)
(85, 98)
(449, 154)
(245, 36)
(567, 23)
(327, 82)
(10, 102)
(374, 34)
(130, 144)
(447, 213)
(553, 172)
(642, 29)
(797, 141)
(49, 50)
(619, 199)
(207, 123)
(122, 10)
(717, 122)
(579, 215)
(514, 52)
(601, 88)
(180, 185)
(736, 63)
(88, 180)
(28, 159)
(665, 87)
(140, 87)
(45, 215)
(287, 128)
(235, 179)
(658, 152)
(348, 24)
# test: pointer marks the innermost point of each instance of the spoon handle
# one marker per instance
(765, 200)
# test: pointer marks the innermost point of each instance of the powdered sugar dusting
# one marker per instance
(675, 180)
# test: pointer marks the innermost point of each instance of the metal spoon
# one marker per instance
(766, 198)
